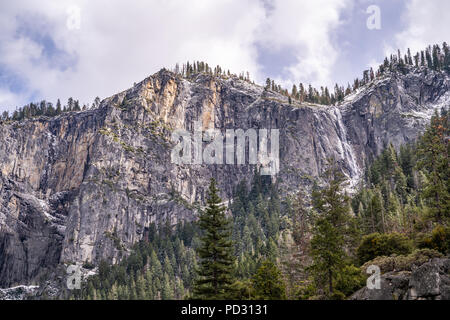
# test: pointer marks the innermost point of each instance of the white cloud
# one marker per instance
(121, 42)
(374, 64)
(7, 98)
(305, 26)
(426, 23)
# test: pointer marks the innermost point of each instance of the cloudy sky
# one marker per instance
(55, 49)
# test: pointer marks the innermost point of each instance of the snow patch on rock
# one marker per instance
(18, 293)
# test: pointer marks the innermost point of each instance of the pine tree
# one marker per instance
(155, 264)
(433, 159)
(329, 231)
(268, 83)
(436, 57)
(58, 107)
(216, 251)
(268, 282)
(294, 92)
(301, 92)
(294, 246)
(409, 58)
(446, 50)
(140, 288)
(300, 220)
(167, 290)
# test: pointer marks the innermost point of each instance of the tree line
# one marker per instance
(47, 109)
(434, 57)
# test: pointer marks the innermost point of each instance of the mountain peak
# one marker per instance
(86, 186)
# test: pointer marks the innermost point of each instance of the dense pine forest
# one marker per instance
(303, 246)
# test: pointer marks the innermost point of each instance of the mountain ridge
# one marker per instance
(84, 186)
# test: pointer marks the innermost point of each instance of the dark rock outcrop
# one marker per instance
(430, 281)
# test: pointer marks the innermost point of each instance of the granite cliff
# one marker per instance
(84, 186)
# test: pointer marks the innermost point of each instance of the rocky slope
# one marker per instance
(430, 281)
(84, 186)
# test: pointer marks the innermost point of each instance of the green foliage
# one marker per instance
(433, 150)
(306, 290)
(46, 109)
(404, 196)
(376, 244)
(215, 275)
(268, 283)
(408, 191)
(431, 58)
(256, 223)
(402, 262)
(350, 280)
(241, 290)
(438, 239)
(155, 269)
(163, 264)
(330, 231)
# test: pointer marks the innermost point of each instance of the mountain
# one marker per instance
(84, 186)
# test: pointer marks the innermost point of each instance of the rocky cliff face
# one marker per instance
(85, 186)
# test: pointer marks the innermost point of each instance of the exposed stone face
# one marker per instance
(430, 281)
(18, 293)
(85, 186)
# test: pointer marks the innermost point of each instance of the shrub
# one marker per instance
(88, 265)
(350, 280)
(403, 262)
(306, 291)
(337, 295)
(438, 239)
(376, 244)
(241, 290)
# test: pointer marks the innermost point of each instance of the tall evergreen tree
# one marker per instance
(330, 230)
(433, 153)
(216, 251)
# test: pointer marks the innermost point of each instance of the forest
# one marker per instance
(309, 245)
